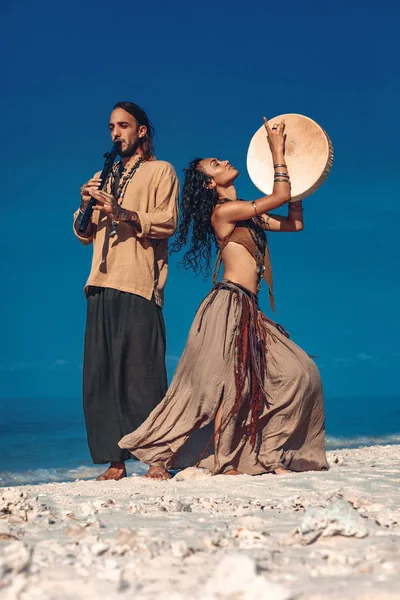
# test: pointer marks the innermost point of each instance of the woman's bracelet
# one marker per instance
(255, 207)
(280, 180)
(280, 165)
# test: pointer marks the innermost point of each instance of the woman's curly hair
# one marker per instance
(197, 204)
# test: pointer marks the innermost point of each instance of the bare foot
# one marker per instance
(282, 471)
(232, 472)
(115, 471)
(158, 473)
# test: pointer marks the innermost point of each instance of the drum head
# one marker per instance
(308, 155)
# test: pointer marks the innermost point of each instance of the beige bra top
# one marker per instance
(252, 236)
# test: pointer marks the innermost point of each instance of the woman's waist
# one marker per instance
(249, 280)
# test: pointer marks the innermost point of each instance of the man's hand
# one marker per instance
(107, 204)
(93, 183)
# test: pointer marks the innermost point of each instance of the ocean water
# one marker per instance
(43, 439)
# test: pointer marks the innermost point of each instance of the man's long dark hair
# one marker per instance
(197, 203)
(146, 142)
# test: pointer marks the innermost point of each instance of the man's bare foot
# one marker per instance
(115, 471)
(157, 473)
(282, 471)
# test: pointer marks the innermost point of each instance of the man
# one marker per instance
(124, 375)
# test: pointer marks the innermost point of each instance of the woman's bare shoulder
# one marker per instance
(222, 229)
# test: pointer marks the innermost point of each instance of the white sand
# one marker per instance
(311, 536)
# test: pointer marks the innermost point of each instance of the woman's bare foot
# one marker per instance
(232, 472)
(115, 471)
(282, 471)
(157, 473)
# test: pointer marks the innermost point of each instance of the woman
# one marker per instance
(244, 398)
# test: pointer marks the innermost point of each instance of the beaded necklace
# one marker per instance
(123, 183)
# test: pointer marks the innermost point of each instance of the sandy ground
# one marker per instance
(311, 536)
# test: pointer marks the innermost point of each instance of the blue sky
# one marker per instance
(205, 73)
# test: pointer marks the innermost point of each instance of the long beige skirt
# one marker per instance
(269, 391)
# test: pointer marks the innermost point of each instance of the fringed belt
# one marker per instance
(250, 348)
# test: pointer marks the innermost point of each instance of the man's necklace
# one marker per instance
(122, 187)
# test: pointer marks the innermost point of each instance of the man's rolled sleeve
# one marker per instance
(162, 221)
(83, 240)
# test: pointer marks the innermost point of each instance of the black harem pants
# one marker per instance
(124, 374)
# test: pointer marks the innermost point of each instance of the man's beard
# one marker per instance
(131, 150)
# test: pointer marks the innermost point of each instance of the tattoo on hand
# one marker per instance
(124, 215)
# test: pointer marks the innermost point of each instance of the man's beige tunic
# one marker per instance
(137, 262)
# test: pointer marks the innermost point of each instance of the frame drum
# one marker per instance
(308, 155)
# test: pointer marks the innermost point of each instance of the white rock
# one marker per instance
(16, 586)
(192, 473)
(235, 577)
(111, 571)
(99, 548)
(336, 460)
(77, 531)
(387, 518)
(243, 533)
(179, 549)
(7, 532)
(94, 523)
(99, 504)
(338, 518)
(127, 537)
(14, 558)
(87, 509)
(253, 523)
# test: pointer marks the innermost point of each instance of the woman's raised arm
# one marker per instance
(231, 212)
